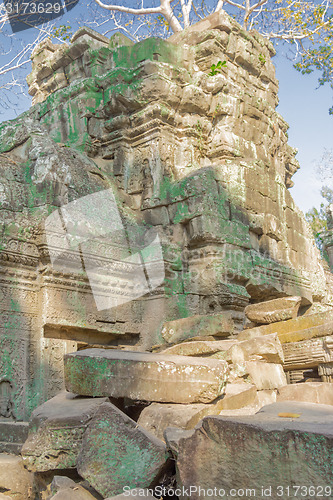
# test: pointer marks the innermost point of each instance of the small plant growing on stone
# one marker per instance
(216, 68)
(200, 144)
(262, 59)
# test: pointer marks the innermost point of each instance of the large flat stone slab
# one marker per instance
(274, 310)
(261, 451)
(56, 431)
(220, 325)
(117, 452)
(145, 376)
(200, 347)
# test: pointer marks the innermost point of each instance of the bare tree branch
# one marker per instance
(165, 9)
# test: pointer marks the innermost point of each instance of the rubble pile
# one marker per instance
(128, 418)
(166, 319)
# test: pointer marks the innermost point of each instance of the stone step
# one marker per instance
(12, 436)
(145, 376)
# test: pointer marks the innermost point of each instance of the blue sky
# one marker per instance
(302, 105)
(305, 107)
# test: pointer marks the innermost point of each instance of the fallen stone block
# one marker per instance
(262, 399)
(274, 310)
(145, 376)
(237, 395)
(133, 494)
(257, 456)
(220, 325)
(199, 348)
(61, 483)
(15, 481)
(295, 330)
(325, 371)
(266, 375)
(308, 354)
(156, 417)
(309, 392)
(76, 492)
(267, 347)
(117, 452)
(265, 397)
(56, 431)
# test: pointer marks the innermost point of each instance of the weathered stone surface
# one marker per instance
(266, 375)
(261, 399)
(76, 492)
(12, 436)
(237, 395)
(252, 452)
(200, 348)
(308, 353)
(266, 347)
(135, 493)
(117, 452)
(61, 483)
(295, 330)
(325, 371)
(148, 123)
(273, 310)
(56, 431)
(309, 392)
(5, 497)
(15, 480)
(145, 376)
(220, 325)
(157, 417)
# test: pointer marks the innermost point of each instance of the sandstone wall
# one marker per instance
(202, 159)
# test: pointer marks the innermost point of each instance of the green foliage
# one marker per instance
(217, 68)
(63, 32)
(318, 218)
(262, 59)
(321, 59)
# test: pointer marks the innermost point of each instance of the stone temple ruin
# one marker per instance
(155, 266)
